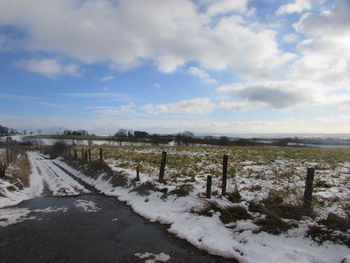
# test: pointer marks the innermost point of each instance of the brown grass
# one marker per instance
(19, 170)
(94, 169)
(229, 214)
(182, 190)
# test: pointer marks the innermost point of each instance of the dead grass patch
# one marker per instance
(272, 225)
(321, 234)
(19, 170)
(94, 169)
(229, 214)
(145, 188)
(182, 190)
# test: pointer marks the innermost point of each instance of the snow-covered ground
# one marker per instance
(12, 195)
(43, 173)
(209, 233)
(58, 182)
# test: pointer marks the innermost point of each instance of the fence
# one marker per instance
(85, 154)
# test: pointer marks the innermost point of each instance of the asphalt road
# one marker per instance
(112, 234)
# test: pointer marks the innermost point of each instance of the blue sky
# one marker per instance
(209, 66)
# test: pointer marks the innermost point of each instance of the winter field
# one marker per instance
(263, 203)
(258, 173)
(261, 215)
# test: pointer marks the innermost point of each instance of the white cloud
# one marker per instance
(204, 76)
(318, 77)
(169, 33)
(128, 108)
(48, 67)
(107, 78)
(290, 38)
(326, 51)
(226, 6)
(192, 106)
(297, 6)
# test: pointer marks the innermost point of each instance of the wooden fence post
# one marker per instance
(162, 167)
(75, 154)
(224, 175)
(1, 170)
(82, 153)
(101, 154)
(307, 202)
(89, 155)
(138, 172)
(208, 192)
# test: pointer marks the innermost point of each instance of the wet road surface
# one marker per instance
(112, 234)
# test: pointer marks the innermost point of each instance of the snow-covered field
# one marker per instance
(239, 239)
(256, 174)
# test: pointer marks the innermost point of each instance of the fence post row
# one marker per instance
(224, 175)
(307, 202)
(162, 167)
(208, 192)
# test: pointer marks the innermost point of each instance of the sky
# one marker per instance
(165, 66)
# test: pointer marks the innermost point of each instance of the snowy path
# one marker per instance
(57, 180)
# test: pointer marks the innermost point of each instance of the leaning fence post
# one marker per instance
(162, 167)
(208, 192)
(307, 202)
(224, 175)
(101, 155)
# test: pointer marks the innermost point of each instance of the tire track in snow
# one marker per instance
(58, 181)
(92, 189)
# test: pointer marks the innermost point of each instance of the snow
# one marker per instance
(86, 206)
(59, 183)
(210, 234)
(156, 257)
(11, 216)
(50, 210)
(10, 198)
(43, 172)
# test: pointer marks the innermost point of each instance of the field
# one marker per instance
(256, 173)
(261, 213)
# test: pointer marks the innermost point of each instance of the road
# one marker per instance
(81, 225)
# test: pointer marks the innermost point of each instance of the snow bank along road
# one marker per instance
(69, 222)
